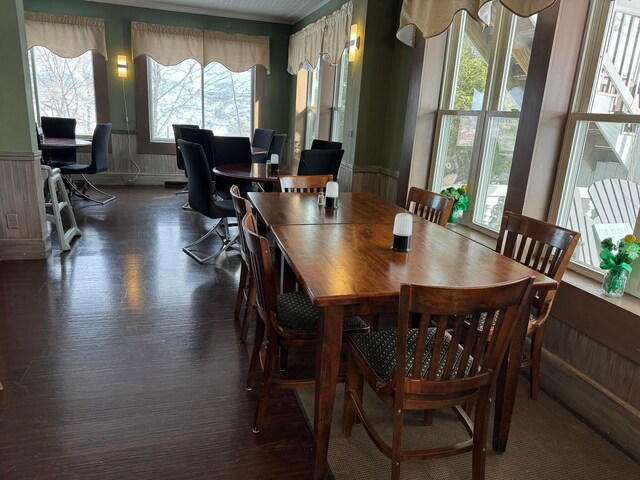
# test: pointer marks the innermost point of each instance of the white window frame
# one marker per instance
(339, 94)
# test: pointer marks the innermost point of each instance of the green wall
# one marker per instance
(118, 20)
(17, 125)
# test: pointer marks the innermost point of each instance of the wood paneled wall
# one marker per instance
(21, 194)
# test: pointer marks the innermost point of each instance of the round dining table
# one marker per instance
(57, 143)
(254, 172)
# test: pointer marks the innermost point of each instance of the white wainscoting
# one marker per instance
(379, 180)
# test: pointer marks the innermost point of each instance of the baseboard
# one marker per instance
(607, 413)
(128, 179)
(25, 248)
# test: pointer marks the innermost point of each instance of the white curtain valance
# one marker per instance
(169, 45)
(237, 52)
(327, 37)
(65, 35)
(432, 17)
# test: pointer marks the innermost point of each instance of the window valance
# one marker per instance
(327, 37)
(169, 45)
(65, 35)
(432, 17)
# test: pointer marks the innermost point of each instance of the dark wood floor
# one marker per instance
(121, 359)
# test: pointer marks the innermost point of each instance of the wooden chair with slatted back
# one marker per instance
(290, 321)
(246, 287)
(546, 248)
(304, 183)
(431, 206)
(440, 364)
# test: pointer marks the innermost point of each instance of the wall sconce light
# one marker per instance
(122, 66)
(354, 42)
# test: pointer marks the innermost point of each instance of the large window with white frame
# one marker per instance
(339, 98)
(600, 188)
(64, 87)
(313, 104)
(211, 96)
(485, 78)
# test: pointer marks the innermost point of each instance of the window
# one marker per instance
(64, 87)
(601, 190)
(340, 98)
(479, 113)
(212, 96)
(313, 104)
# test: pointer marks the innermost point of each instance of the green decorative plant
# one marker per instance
(460, 200)
(617, 260)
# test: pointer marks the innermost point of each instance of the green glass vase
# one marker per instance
(614, 282)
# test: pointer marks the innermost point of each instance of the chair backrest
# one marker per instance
(453, 358)
(325, 145)
(320, 162)
(539, 245)
(277, 146)
(177, 135)
(242, 206)
(615, 200)
(200, 188)
(262, 270)
(262, 138)
(61, 128)
(304, 183)
(431, 206)
(100, 148)
(202, 137)
(228, 150)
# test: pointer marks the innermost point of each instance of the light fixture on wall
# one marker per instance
(354, 42)
(122, 66)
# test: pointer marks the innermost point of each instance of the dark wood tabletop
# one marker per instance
(56, 143)
(256, 172)
(277, 208)
(349, 269)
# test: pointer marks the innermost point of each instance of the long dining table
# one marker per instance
(350, 269)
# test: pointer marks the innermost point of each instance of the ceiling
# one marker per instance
(279, 11)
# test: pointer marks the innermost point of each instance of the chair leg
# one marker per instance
(248, 313)
(428, 417)
(267, 380)
(202, 257)
(242, 285)
(480, 424)
(255, 354)
(283, 357)
(107, 197)
(396, 445)
(535, 354)
(351, 387)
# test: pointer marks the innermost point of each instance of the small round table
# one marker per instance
(254, 172)
(55, 143)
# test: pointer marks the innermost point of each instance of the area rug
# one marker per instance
(546, 442)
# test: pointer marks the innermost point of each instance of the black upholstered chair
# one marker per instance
(290, 320)
(262, 138)
(325, 145)
(177, 135)
(277, 145)
(320, 162)
(99, 163)
(59, 128)
(228, 150)
(201, 200)
(202, 137)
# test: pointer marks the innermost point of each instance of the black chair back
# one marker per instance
(325, 145)
(60, 128)
(262, 138)
(202, 137)
(277, 146)
(228, 150)
(177, 136)
(100, 148)
(200, 187)
(320, 162)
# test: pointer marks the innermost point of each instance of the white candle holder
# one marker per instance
(331, 195)
(275, 162)
(402, 230)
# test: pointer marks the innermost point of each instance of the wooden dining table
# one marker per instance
(350, 269)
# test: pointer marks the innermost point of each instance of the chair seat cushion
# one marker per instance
(379, 350)
(296, 312)
(75, 168)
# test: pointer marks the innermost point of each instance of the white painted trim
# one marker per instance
(20, 156)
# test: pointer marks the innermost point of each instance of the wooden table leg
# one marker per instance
(507, 384)
(327, 365)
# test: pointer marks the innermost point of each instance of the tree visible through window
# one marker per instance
(213, 96)
(64, 87)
